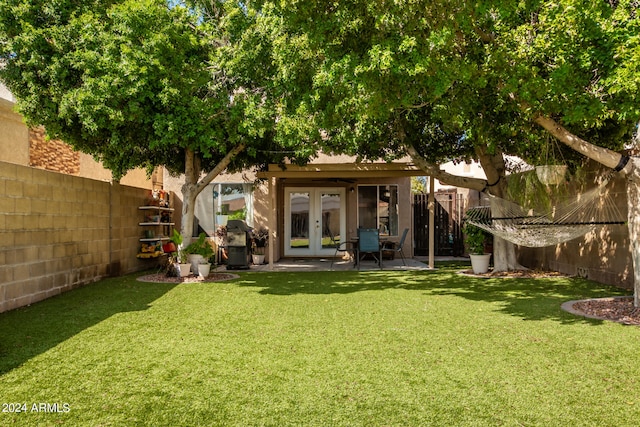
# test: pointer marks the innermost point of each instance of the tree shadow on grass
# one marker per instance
(526, 298)
(29, 331)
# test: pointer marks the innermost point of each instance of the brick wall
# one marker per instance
(58, 232)
(52, 155)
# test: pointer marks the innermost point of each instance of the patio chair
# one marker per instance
(369, 243)
(339, 247)
(398, 248)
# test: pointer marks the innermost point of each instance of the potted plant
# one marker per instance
(476, 239)
(181, 256)
(259, 240)
(200, 251)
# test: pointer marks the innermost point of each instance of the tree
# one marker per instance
(141, 83)
(503, 74)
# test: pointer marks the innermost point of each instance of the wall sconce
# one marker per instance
(351, 189)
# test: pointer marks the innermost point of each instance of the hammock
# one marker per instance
(565, 221)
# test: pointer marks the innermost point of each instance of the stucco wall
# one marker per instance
(58, 232)
(602, 255)
(14, 135)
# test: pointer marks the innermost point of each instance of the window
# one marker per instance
(378, 208)
(231, 201)
(219, 203)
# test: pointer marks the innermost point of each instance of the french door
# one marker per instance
(314, 219)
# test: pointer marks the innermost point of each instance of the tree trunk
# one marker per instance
(504, 252)
(633, 223)
(193, 186)
(189, 194)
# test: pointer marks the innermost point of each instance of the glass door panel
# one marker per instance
(300, 206)
(313, 217)
(331, 204)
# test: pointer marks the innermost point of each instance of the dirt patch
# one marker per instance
(163, 278)
(517, 274)
(618, 309)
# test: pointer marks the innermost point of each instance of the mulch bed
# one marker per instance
(163, 278)
(615, 309)
(517, 274)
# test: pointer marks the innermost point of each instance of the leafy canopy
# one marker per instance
(449, 76)
(138, 82)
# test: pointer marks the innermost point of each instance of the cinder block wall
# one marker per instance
(58, 232)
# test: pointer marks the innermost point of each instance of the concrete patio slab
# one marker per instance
(324, 264)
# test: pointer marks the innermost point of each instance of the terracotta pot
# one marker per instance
(169, 247)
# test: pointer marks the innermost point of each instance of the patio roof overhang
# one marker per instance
(334, 171)
(343, 170)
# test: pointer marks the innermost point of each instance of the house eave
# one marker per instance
(335, 170)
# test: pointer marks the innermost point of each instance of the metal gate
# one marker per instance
(449, 207)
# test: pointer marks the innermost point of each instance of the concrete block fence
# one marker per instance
(58, 232)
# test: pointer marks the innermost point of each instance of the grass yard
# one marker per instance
(320, 349)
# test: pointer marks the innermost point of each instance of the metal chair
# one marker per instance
(398, 248)
(339, 246)
(369, 243)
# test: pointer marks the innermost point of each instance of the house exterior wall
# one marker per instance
(58, 232)
(262, 207)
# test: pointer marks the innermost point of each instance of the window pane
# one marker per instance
(378, 208)
(391, 202)
(330, 219)
(299, 203)
(367, 206)
(232, 201)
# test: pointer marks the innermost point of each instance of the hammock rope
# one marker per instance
(563, 222)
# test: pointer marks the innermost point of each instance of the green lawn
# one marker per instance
(320, 349)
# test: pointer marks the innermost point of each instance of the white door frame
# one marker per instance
(315, 220)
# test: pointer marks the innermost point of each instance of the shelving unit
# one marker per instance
(158, 223)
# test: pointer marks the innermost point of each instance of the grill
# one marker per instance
(238, 244)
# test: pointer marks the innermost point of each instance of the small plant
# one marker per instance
(259, 240)
(200, 247)
(475, 238)
(181, 255)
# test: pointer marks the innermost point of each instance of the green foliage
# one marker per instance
(200, 247)
(137, 83)
(475, 238)
(177, 238)
(418, 185)
(449, 77)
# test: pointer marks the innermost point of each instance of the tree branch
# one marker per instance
(445, 177)
(602, 155)
(220, 167)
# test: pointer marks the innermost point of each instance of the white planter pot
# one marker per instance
(551, 174)
(185, 269)
(480, 263)
(204, 270)
(257, 259)
(195, 259)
